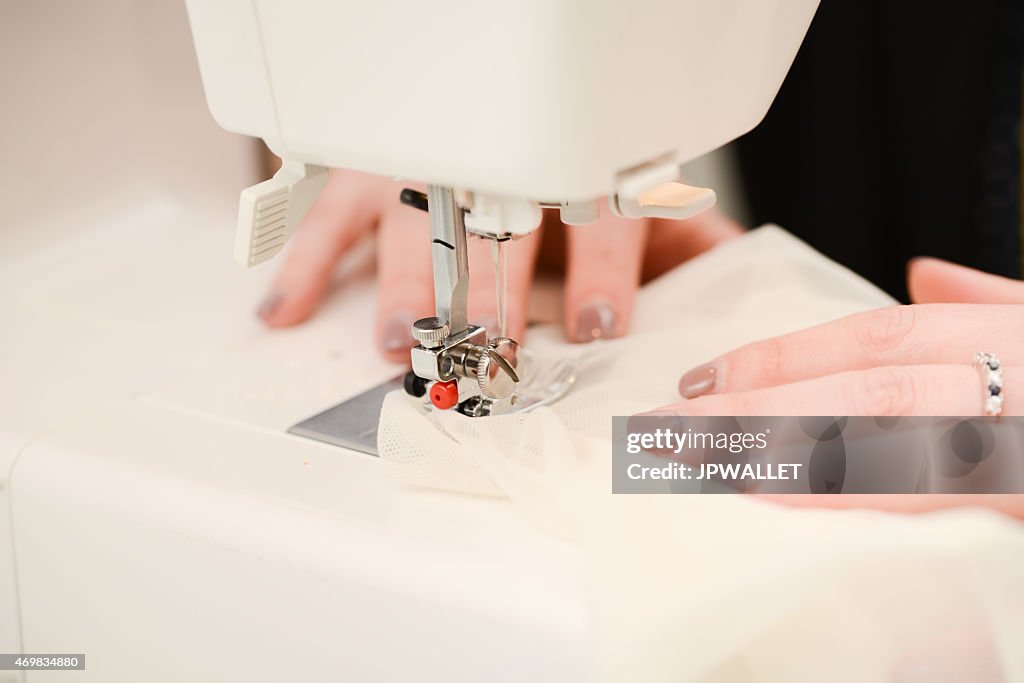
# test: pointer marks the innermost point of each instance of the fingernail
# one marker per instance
(699, 381)
(270, 303)
(397, 334)
(596, 321)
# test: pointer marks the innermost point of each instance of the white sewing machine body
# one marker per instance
(500, 109)
(164, 523)
(549, 100)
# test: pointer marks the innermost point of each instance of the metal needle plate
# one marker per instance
(350, 424)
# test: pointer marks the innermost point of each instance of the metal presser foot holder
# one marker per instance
(455, 365)
(541, 384)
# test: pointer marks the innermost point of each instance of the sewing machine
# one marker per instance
(154, 512)
(501, 109)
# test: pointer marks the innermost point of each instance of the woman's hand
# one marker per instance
(902, 360)
(604, 263)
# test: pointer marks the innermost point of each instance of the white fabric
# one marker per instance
(688, 587)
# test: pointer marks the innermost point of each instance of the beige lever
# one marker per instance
(675, 200)
(653, 191)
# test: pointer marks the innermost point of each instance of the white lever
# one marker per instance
(269, 212)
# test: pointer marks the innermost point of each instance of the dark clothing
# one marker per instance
(897, 134)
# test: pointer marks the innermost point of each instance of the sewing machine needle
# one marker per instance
(499, 256)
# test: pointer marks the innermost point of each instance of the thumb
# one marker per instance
(932, 280)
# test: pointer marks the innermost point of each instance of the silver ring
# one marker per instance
(991, 382)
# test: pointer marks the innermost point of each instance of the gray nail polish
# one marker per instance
(397, 333)
(596, 321)
(270, 303)
(703, 379)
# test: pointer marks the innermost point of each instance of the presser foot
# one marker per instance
(541, 383)
(445, 359)
(353, 423)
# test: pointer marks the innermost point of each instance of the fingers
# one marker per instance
(405, 279)
(608, 260)
(933, 280)
(672, 242)
(897, 335)
(345, 211)
(602, 276)
(521, 259)
(897, 390)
